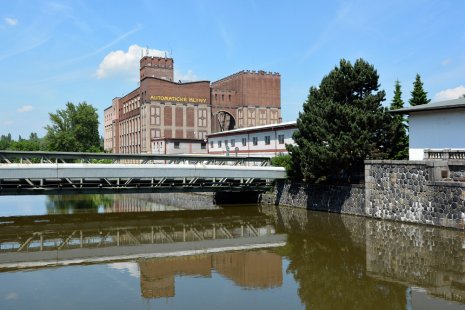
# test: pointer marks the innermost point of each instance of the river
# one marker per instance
(180, 251)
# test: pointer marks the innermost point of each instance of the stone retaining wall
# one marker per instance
(339, 199)
(425, 192)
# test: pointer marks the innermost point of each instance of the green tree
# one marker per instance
(286, 161)
(419, 95)
(5, 141)
(342, 124)
(74, 129)
(399, 127)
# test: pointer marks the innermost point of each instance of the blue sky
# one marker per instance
(58, 51)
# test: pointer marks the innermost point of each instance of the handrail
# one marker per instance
(444, 154)
(8, 156)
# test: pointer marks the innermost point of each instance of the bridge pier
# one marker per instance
(245, 197)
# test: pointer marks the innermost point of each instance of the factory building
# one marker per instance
(162, 109)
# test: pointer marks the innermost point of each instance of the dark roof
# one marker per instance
(440, 105)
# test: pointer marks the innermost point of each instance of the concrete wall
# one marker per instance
(424, 192)
(441, 129)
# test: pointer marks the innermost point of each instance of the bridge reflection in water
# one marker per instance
(35, 241)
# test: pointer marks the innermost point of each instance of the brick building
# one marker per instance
(162, 108)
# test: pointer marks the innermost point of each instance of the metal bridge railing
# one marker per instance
(8, 157)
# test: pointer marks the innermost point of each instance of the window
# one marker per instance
(203, 146)
(219, 143)
(281, 139)
(202, 117)
(255, 140)
(244, 141)
(176, 145)
(211, 144)
(267, 140)
(233, 142)
(226, 143)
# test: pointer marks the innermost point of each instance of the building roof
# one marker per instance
(440, 105)
(178, 139)
(254, 129)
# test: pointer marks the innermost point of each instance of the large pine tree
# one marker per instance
(419, 95)
(399, 127)
(342, 124)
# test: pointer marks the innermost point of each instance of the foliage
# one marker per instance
(328, 259)
(34, 143)
(342, 124)
(72, 204)
(74, 129)
(285, 160)
(5, 141)
(419, 95)
(399, 127)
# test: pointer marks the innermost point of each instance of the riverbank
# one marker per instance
(423, 192)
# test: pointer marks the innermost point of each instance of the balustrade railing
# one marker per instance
(444, 154)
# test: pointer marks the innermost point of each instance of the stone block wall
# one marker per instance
(396, 191)
(339, 199)
(414, 191)
(424, 192)
(457, 173)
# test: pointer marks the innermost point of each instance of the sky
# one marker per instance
(52, 52)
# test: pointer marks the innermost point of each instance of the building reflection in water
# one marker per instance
(347, 262)
(251, 269)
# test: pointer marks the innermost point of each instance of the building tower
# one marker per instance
(156, 67)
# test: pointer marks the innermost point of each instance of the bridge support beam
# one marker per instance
(229, 197)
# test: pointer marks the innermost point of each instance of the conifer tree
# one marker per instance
(342, 124)
(399, 127)
(419, 95)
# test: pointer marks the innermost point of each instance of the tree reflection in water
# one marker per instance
(72, 204)
(330, 266)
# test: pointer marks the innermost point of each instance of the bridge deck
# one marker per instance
(23, 173)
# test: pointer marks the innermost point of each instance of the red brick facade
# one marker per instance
(161, 107)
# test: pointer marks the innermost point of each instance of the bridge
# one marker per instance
(28, 173)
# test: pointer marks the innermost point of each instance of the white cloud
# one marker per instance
(125, 64)
(25, 108)
(11, 296)
(451, 93)
(131, 268)
(189, 76)
(11, 21)
(446, 61)
(121, 64)
(7, 123)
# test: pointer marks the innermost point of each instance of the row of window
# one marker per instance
(203, 145)
(244, 141)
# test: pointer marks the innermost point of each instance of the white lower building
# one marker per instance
(438, 126)
(266, 141)
(173, 146)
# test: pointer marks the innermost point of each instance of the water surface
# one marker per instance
(183, 252)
